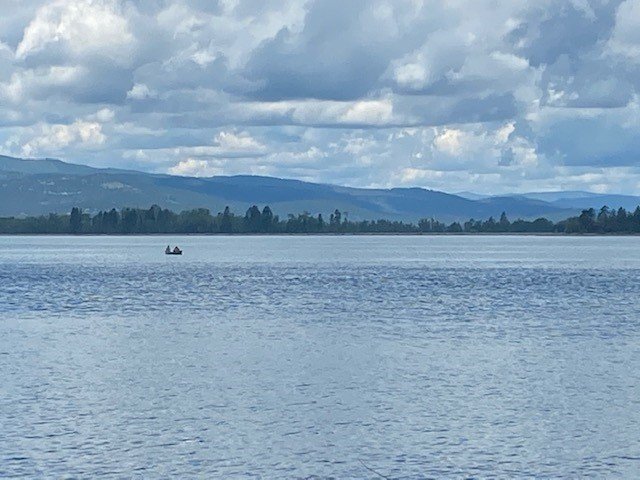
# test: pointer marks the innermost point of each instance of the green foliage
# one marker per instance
(75, 220)
(606, 221)
(200, 220)
(225, 221)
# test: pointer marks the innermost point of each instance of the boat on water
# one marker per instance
(175, 251)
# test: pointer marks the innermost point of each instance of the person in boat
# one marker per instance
(167, 250)
(177, 250)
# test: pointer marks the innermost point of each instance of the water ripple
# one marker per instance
(414, 358)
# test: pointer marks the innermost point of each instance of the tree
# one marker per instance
(430, 225)
(455, 227)
(75, 220)
(635, 220)
(490, 225)
(266, 219)
(603, 214)
(197, 220)
(158, 220)
(111, 221)
(621, 221)
(130, 220)
(252, 219)
(335, 220)
(504, 222)
(586, 220)
(473, 225)
(225, 225)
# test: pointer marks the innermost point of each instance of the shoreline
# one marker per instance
(327, 234)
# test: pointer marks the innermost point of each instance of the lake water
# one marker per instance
(297, 357)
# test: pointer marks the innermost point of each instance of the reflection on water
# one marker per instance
(315, 356)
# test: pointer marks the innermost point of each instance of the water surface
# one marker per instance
(296, 357)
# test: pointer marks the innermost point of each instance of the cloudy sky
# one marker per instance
(490, 96)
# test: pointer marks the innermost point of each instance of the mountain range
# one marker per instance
(572, 199)
(33, 187)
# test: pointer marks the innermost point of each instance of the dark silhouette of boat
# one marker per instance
(175, 251)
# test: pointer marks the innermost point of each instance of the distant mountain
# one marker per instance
(555, 196)
(584, 200)
(471, 195)
(49, 165)
(30, 187)
(574, 200)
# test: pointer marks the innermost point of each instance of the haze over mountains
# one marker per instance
(572, 199)
(32, 187)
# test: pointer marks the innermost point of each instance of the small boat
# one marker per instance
(175, 251)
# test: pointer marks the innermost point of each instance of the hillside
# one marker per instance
(30, 187)
(574, 200)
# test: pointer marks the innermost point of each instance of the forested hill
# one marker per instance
(263, 221)
(35, 187)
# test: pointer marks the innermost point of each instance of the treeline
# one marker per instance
(159, 220)
(606, 220)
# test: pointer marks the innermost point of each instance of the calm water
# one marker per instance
(294, 357)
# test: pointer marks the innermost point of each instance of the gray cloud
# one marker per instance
(455, 95)
(340, 54)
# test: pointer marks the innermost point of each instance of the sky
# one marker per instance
(488, 96)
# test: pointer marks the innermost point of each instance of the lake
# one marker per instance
(320, 356)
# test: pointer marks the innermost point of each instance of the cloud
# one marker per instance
(55, 137)
(625, 39)
(140, 92)
(238, 142)
(104, 115)
(450, 141)
(225, 149)
(336, 56)
(369, 112)
(455, 95)
(411, 75)
(192, 167)
(81, 26)
(27, 84)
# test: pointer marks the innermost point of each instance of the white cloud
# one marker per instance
(12, 90)
(411, 75)
(510, 60)
(503, 133)
(450, 141)
(225, 145)
(140, 91)
(52, 138)
(233, 142)
(192, 167)
(358, 145)
(83, 26)
(236, 30)
(368, 112)
(441, 94)
(5, 49)
(203, 57)
(625, 39)
(104, 115)
(411, 175)
(319, 112)
(24, 83)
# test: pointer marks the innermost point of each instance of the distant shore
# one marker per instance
(330, 234)
(255, 221)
